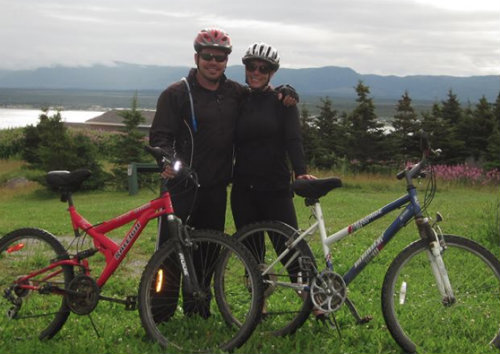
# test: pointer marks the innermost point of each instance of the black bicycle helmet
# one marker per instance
(262, 51)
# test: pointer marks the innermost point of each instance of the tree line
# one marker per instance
(359, 140)
(356, 141)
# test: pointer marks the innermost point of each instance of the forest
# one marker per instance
(360, 141)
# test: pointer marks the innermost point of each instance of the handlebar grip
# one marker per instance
(158, 153)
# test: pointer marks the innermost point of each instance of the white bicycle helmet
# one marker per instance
(262, 51)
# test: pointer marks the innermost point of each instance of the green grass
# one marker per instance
(471, 212)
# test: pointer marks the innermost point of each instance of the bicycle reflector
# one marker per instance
(159, 280)
(15, 248)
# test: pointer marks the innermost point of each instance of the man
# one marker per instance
(203, 138)
(194, 121)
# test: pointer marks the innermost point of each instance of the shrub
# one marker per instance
(48, 146)
(11, 142)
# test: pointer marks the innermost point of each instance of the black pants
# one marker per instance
(249, 205)
(204, 208)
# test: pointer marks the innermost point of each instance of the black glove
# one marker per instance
(287, 90)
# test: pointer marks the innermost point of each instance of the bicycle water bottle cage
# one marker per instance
(67, 182)
(315, 188)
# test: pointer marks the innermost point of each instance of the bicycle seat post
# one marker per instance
(68, 196)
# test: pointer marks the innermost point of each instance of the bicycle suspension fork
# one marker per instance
(180, 234)
(434, 253)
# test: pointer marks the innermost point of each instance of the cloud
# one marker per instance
(391, 37)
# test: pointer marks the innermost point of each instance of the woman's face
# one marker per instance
(258, 73)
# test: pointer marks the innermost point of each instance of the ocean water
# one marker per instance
(15, 118)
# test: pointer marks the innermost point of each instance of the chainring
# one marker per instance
(328, 291)
(82, 295)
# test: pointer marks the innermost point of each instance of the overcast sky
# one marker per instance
(386, 37)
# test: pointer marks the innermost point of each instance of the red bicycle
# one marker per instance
(41, 283)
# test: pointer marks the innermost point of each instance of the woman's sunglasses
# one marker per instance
(209, 56)
(263, 69)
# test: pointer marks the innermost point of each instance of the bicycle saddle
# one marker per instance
(315, 188)
(68, 181)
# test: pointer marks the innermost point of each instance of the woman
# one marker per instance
(267, 135)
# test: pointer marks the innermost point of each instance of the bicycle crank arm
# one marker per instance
(355, 313)
(130, 302)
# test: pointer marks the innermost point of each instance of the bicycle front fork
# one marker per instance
(183, 249)
(435, 254)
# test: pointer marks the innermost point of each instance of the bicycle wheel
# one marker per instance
(286, 307)
(186, 322)
(32, 312)
(414, 310)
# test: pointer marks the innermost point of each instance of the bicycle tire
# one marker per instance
(169, 317)
(43, 314)
(417, 318)
(286, 309)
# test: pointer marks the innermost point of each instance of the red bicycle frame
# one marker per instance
(113, 252)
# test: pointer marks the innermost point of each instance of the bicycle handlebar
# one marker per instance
(164, 159)
(416, 170)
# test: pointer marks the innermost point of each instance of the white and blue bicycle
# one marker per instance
(439, 288)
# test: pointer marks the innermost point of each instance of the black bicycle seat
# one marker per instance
(66, 180)
(315, 188)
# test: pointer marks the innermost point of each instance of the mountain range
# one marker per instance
(328, 81)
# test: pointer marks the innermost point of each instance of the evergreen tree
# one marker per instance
(477, 128)
(129, 147)
(329, 134)
(434, 125)
(309, 135)
(492, 154)
(406, 127)
(365, 132)
(496, 112)
(493, 149)
(454, 148)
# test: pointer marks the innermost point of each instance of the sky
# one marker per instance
(384, 37)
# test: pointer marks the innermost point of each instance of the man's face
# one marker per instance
(211, 63)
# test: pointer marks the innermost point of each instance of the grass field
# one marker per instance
(471, 212)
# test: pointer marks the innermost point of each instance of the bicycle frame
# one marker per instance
(411, 210)
(114, 253)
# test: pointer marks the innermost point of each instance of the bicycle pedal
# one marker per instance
(365, 319)
(131, 303)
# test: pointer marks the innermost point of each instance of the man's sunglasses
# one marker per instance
(263, 69)
(209, 56)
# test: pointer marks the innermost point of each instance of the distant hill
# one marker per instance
(325, 81)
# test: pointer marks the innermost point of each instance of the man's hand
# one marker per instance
(288, 95)
(309, 177)
(169, 172)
